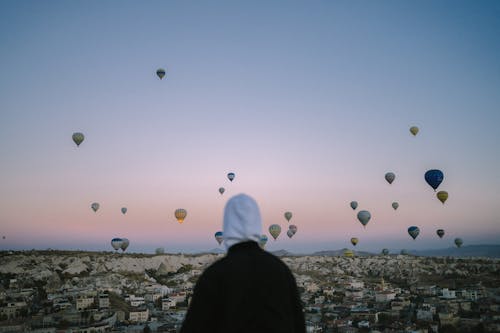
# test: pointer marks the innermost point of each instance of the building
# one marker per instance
(139, 315)
(84, 302)
(167, 303)
(103, 301)
(13, 310)
(384, 296)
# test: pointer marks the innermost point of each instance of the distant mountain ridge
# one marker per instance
(488, 250)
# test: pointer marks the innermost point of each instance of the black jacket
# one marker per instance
(247, 291)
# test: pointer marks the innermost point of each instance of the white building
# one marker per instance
(139, 315)
(84, 302)
(167, 303)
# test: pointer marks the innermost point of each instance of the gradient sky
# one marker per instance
(309, 103)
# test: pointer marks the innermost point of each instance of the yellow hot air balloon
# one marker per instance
(354, 241)
(275, 230)
(180, 214)
(442, 196)
(414, 130)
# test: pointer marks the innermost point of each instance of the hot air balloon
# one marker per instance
(3, 237)
(348, 253)
(125, 244)
(219, 237)
(275, 230)
(293, 227)
(116, 243)
(390, 176)
(221, 190)
(414, 130)
(288, 216)
(180, 214)
(364, 216)
(161, 73)
(95, 206)
(459, 242)
(124, 210)
(442, 196)
(231, 176)
(395, 205)
(440, 233)
(434, 178)
(354, 241)
(78, 138)
(385, 252)
(413, 231)
(354, 205)
(263, 241)
(289, 233)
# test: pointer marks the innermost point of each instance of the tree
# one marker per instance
(146, 329)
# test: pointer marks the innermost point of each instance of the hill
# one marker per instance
(489, 251)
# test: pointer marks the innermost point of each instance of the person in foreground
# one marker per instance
(249, 290)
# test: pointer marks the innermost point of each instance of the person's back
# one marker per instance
(249, 290)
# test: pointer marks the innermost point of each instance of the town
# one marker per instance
(90, 292)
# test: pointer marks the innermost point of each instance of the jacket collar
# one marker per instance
(243, 246)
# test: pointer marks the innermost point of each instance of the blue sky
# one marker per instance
(308, 103)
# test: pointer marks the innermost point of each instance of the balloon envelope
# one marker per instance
(221, 190)
(275, 230)
(354, 205)
(231, 176)
(354, 241)
(219, 237)
(95, 206)
(414, 130)
(161, 73)
(413, 231)
(78, 138)
(434, 178)
(263, 241)
(458, 242)
(125, 244)
(440, 233)
(289, 233)
(390, 176)
(124, 210)
(364, 216)
(395, 205)
(288, 216)
(180, 214)
(116, 243)
(293, 227)
(442, 196)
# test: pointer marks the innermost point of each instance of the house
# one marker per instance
(138, 315)
(84, 302)
(104, 301)
(167, 303)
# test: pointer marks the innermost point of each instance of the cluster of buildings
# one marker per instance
(333, 301)
(349, 305)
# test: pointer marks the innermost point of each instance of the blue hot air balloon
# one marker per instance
(434, 178)
(219, 237)
(413, 231)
